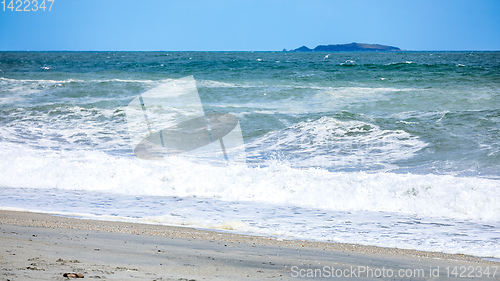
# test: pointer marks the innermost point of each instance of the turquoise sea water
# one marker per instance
(404, 146)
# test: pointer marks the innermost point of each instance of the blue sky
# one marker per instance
(251, 25)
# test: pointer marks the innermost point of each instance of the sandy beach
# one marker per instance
(44, 247)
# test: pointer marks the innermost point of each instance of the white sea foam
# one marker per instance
(17, 85)
(19, 90)
(425, 195)
(215, 84)
(340, 96)
(348, 63)
(425, 212)
(283, 100)
(67, 127)
(330, 89)
(328, 142)
(221, 84)
(7, 81)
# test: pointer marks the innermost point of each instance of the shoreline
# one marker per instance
(60, 221)
(42, 246)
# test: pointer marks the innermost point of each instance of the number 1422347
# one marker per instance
(27, 5)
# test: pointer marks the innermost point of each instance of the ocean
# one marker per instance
(397, 149)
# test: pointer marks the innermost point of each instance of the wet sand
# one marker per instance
(44, 247)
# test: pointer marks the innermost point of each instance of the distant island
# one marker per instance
(351, 47)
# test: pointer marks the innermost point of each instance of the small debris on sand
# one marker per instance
(73, 275)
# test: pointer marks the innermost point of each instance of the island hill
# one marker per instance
(351, 47)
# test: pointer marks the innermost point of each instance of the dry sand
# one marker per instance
(44, 247)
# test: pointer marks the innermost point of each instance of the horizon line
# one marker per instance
(249, 51)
